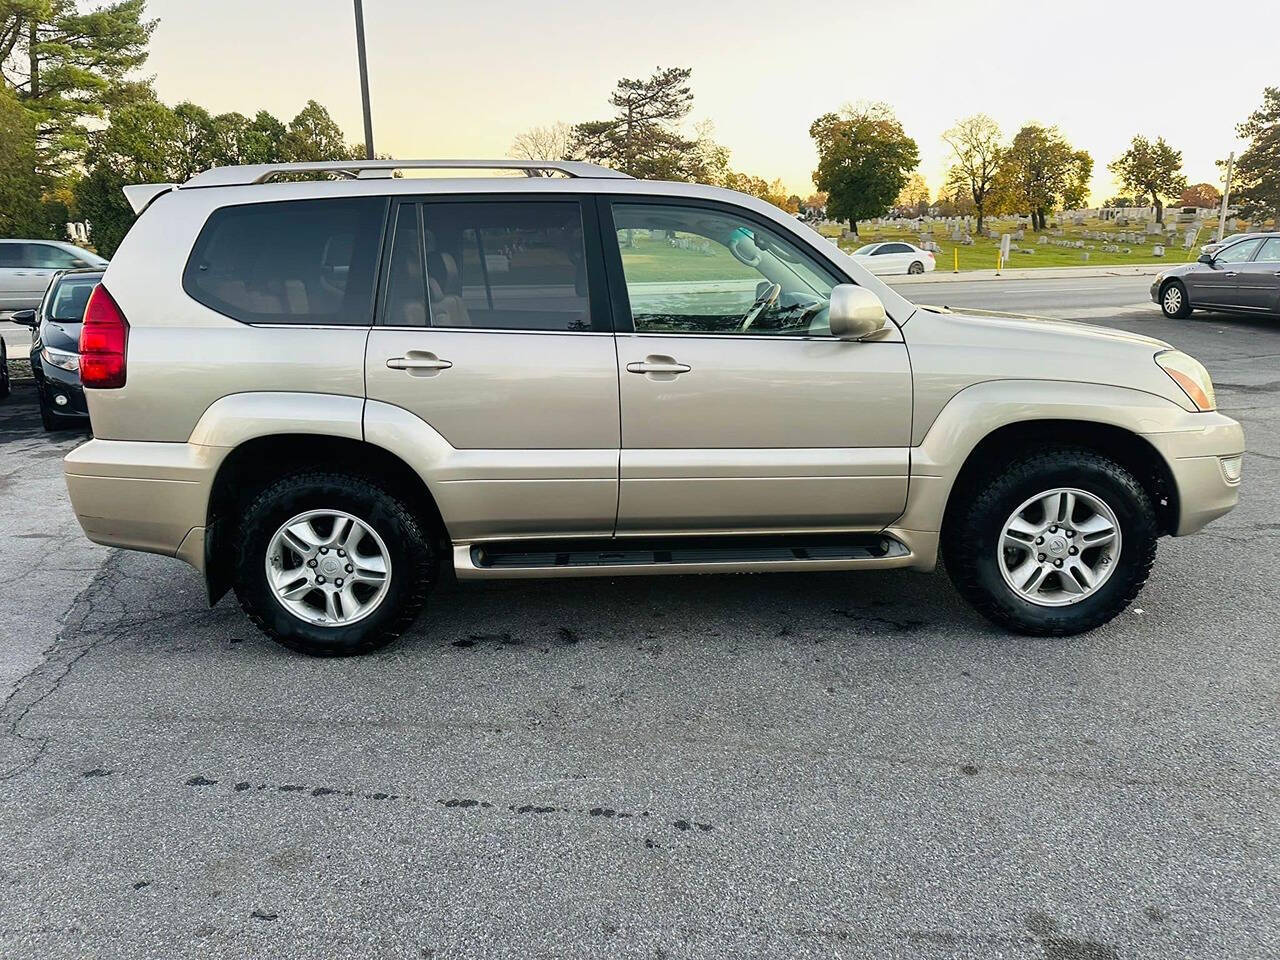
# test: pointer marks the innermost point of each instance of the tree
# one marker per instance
(1040, 172)
(1151, 169)
(61, 62)
(313, 136)
(544, 143)
(644, 137)
(913, 198)
(20, 186)
(864, 158)
(774, 191)
(1204, 195)
(975, 147)
(1257, 170)
(1120, 200)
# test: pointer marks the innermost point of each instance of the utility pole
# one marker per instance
(364, 82)
(1226, 196)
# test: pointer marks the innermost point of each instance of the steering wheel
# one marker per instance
(765, 299)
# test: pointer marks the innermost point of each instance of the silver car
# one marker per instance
(27, 267)
(324, 393)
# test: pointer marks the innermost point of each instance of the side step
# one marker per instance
(620, 556)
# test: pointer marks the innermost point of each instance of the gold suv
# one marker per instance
(320, 391)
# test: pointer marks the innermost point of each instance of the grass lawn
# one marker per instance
(982, 254)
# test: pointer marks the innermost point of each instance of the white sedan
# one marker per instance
(894, 256)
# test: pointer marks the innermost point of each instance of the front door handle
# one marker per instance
(658, 365)
(424, 364)
(1232, 273)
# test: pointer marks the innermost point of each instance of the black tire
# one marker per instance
(974, 526)
(47, 418)
(4, 374)
(1179, 310)
(413, 562)
(916, 267)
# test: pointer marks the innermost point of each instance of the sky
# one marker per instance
(451, 79)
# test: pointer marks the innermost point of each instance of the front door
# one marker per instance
(1260, 279)
(1218, 284)
(740, 413)
(494, 331)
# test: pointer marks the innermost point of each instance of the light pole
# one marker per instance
(364, 82)
(1226, 197)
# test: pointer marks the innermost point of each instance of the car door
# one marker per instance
(1259, 281)
(888, 259)
(740, 413)
(1218, 283)
(494, 329)
(13, 276)
(43, 261)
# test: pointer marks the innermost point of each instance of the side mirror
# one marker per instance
(855, 312)
(1205, 258)
(26, 318)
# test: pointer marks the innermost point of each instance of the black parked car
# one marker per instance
(1242, 277)
(55, 348)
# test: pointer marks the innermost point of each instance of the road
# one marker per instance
(750, 766)
(1083, 298)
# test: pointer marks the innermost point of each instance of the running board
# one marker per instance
(644, 556)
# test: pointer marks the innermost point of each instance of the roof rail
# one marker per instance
(262, 172)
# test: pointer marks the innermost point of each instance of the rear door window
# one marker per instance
(13, 255)
(293, 261)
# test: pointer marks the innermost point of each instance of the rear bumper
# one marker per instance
(143, 496)
(1198, 460)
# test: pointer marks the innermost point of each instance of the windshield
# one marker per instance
(70, 298)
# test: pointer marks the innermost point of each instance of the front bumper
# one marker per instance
(54, 382)
(1198, 460)
(1155, 290)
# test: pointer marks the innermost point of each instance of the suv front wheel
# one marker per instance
(332, 565)
(1055, 543)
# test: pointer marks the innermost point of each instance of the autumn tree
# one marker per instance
(1257, 169)
(645, 137)
(913, 198)
(976, 154)
(864, 160)
(1041, 172)
(554, 142)
(1204, 195)
(1150, 169)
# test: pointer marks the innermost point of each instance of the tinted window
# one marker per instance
(297, 261)
(893, 248)
(700, 270)
(13, 255)
(70, 298)
(498, 265)
(44, 256)
(1270, 250)
(1238, 253)
(406, 280)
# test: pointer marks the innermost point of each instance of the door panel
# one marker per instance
(1259, 281)
(763, 434)
(529, 412)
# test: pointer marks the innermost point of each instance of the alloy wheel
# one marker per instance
(328, 568)
(1059, 547)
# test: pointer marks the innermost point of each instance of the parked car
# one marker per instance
(894, 257)
(1213, 246)
(55, 348)
(27, 267)
(322, 392)
(1241, 278)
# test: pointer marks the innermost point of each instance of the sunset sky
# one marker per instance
(456, 79)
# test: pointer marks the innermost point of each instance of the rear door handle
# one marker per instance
(1232, 273)
(426, 362)
(655, 365)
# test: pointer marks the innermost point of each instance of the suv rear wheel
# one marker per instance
(1055, 543)
(332, 565)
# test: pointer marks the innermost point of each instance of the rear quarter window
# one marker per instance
(291, 261)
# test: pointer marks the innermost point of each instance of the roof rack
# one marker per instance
(263, 172)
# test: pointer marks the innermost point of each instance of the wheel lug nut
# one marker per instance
(350, 568)
(338, 582)
(1074, 551)
(1039, 539)
(319, 579)
(1040, 557)
(342, 553)
(1054, 528)
(311, 563)
(1057, 563)
(326, 549)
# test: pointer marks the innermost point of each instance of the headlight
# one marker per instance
(62, 359)
(1189, 374)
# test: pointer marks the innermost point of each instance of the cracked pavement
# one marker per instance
(751, 766)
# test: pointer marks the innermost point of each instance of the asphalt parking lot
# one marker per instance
(749, 766)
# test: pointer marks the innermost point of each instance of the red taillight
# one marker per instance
(103, 339)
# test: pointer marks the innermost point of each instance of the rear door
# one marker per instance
(16, 289)
(740, 413)
(494, 330)
(1259, 280)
